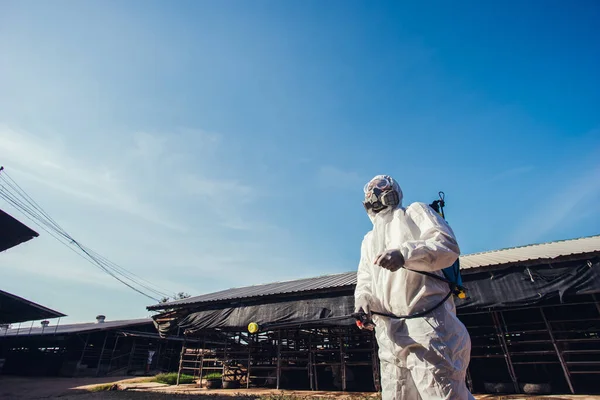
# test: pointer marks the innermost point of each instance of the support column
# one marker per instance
(311, 369)
(181, 363)
(82, 353)
(315, 370)
(278, 358)
(101, 354)
(375, 363)
(563, 364)
(342, 362)
(509, 364)
(56, 326)
(597, 303)
(249, 360)
(202, 358)
(131, 355)
(112, 354)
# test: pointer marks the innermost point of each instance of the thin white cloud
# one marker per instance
(48, 163)
(336, 178)
(566, 201)
(511, 173)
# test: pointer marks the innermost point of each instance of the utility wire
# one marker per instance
(12, 193)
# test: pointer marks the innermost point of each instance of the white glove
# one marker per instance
(363, 302)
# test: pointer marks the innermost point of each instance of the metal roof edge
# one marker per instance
(530, 245)
(73, 328)
(180, 302)
(183, 302)
(57, 314)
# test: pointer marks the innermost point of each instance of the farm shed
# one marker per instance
(532, 313)
(88, 349)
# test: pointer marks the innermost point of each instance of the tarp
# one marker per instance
(506, 288)
(306, 310)
(525, 286)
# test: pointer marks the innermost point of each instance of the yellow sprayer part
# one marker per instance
(252, 327)
(462, 295)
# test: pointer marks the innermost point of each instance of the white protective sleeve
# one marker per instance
(436, 248)
(363, 276)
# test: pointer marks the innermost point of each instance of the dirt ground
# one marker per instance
(133, 389)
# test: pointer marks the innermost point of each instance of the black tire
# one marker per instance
(499, 387)
(536, 388)
(231, 385)
(213, 384)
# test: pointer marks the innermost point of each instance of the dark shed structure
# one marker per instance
(532, 313)
(88, 349)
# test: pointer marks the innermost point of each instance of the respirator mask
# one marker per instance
(380, 194)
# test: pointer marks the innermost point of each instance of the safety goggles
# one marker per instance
(380, 184)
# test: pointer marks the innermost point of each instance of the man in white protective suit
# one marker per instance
(424, 357)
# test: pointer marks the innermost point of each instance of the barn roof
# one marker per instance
(86, 327)
(535, 253)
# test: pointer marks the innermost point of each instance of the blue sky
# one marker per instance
(207, 145)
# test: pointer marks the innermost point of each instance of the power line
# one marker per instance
(12, 193)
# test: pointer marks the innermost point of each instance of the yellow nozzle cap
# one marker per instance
(462, 295)
(252, 327)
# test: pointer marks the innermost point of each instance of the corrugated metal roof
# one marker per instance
(296, 286)
(544, 251)
(73, 328)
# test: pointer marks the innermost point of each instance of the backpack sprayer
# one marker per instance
(451, 276)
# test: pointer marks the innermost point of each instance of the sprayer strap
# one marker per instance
(415, 315)
(432, 275)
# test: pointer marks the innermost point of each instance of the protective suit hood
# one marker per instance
(383, 183)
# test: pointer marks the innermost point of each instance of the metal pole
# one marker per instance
(56, 327)
(82, 353)
(315, 371)
(342, 363)
(101, 354)
(278, 357)
(202, 358)
(131, 355)
(112, 354)
(311, 370)
(158, 354)
(597, 303)
(181, 354)
(563, 364)
(181, 363)
(375, 363)
(509, 365)
(249, 360)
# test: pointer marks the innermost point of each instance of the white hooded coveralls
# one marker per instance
(426, 357)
